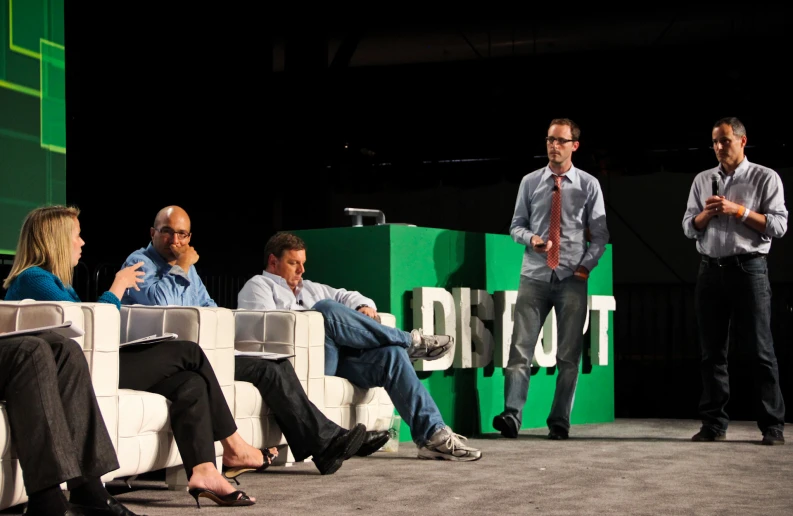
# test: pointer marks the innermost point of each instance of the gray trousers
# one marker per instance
(56, 425)
(535, 300)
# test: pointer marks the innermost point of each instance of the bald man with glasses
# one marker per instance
(168, 264)
(171, 279)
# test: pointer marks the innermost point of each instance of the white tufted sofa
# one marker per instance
(100, 344)
(145, 440)
(301, 333)
(137, 421)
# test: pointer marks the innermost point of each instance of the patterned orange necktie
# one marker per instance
(556, 223)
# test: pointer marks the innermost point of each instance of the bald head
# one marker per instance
(165, 214)
(171, 229)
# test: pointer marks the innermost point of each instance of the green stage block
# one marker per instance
(387, 262)
(594, 399)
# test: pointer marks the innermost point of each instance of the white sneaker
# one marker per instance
(446, 445)
(429, 347)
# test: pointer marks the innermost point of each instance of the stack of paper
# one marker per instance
(151, 339)
(261, 354)
(67, 329)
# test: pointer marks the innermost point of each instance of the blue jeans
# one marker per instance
(345, 327)
(736, 297)
(369, 355)
(535, 300)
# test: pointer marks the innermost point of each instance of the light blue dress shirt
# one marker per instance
(756, 187)
(165, 284)
(271, 292)
(582, 207)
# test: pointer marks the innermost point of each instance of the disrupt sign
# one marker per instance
(462, 313)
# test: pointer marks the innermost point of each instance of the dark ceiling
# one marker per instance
(557, 31)
(364, 94)
(187, 105)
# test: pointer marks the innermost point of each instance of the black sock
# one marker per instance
(91, 492)
(48, 501)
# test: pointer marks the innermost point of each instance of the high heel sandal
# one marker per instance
(235, 499)
(233, 473)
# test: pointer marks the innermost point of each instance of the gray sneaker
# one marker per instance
(446, 445)
(429, 347)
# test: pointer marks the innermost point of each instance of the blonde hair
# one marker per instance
(46, 241)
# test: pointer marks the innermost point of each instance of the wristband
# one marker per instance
(740, 213)
(745, 216)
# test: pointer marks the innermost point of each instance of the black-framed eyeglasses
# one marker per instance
(165, 230)
(552, 140)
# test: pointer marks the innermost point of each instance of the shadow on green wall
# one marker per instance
(459, 261)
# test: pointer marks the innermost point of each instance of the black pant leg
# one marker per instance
(59, 431)
(713, 303)
(143, 366)
(305, 427)
(191, 420)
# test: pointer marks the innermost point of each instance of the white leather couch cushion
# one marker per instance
(145, 439)
(255, 422)
(210, 328)
(301, 333)
(12, 489)
(100, 322)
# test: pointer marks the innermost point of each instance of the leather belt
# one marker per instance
(728, 261)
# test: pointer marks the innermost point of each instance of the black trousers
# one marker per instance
(305, 427)
(181, 372)
(55, 420)
(734, 300)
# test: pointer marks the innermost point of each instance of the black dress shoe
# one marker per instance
(708, 435)
(506, 425)
(558, 434)
(773, 437)
(113, 508)
(340, 449)
(372, 441)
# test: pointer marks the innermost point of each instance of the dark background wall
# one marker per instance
(209, 109)
(255, 128)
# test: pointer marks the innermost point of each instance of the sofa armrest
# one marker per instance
(100, 322)
(293, 332)
(387, 319)
(212, 328)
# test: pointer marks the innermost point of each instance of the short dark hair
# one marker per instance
(281, 242)
(738, 128)
(574, 129)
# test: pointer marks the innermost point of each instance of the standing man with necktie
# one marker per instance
(560, 217)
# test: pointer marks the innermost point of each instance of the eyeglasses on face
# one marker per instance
(551, 140)
(165, 230)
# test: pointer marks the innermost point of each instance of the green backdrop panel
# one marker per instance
(32, 111)
(387, 262)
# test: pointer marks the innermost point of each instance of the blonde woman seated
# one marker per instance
(49, 247)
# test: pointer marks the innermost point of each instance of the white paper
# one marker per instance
(264, 355)
(67, 329)
(151, 339)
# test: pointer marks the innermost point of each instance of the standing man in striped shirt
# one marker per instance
(560, 217)
(733, 212)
